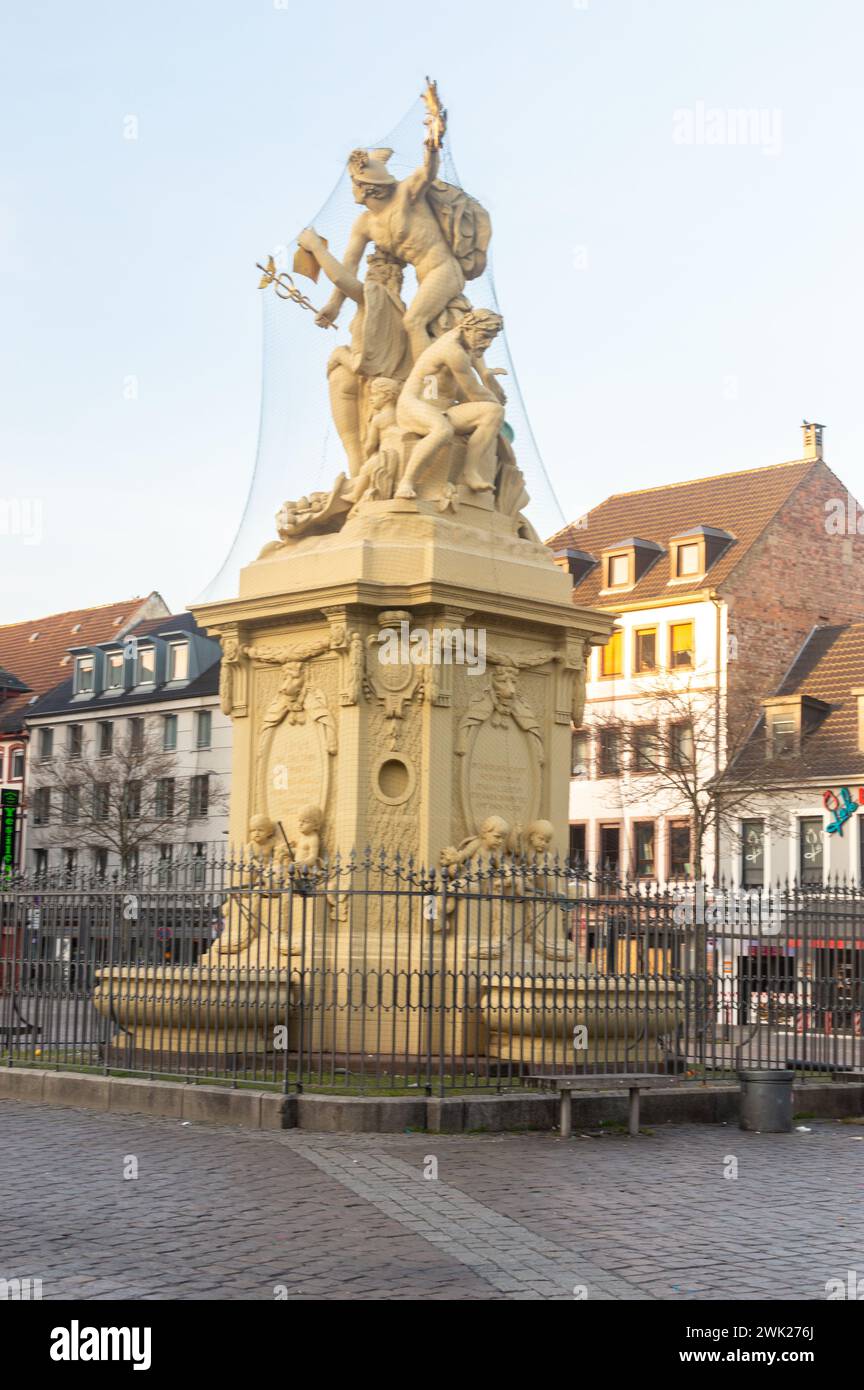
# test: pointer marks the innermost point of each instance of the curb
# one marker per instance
(485, 1114)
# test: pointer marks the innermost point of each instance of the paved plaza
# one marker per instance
(217, 1213)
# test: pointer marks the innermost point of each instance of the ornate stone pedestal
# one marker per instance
(411, 675)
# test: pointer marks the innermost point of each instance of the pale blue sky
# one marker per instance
(718, 298)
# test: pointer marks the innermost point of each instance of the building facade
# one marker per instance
(807, 820)
(35, 657)
(129, 759)
(716, 585)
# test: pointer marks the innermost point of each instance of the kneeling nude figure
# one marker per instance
(455, 361)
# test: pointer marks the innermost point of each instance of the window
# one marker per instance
(577, 845)
(74, 740)
(679, 849)
(645, 749)
(784, 735)
(810, 851)
(203, 721)
(610, 753)
(46, 745)
(681, 646)
(136, 735)
(579, 754)
(610, 848)
(612, 655)
(114, 671)
(753, 853)
(643, 844)
(681, 748)
(70, 861)
(145, 666)
(618, 574)
(178, 661)
(16, 765)
(85, 675)
(106, 740)
(166, 859)
(42, 806)
(688, 559)
(101, 800)
(646, 649)
(132, 800)
(71, 804)
(40, 862)
(199, 796)
(199, 862)
(100, 862)
(169, 732)
(165, 798)
(130, 862)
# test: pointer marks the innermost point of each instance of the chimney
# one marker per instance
(812, 440)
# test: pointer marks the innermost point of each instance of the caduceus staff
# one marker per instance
(284, 285)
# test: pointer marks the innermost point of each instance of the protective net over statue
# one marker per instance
(392, 388)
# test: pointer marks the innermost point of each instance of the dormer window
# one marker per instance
(688, 559)
(145, 666)
(624, 564)
(618, 573)
(114, 671)
(788, 720)
(577, 563)
(178, 661)
(784, 736)
(693, 552)
(85, 675)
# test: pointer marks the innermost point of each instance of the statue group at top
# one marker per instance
(416, 407)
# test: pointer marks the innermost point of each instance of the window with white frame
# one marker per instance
(145, 666)
(203, 727)
(114, 671)
(16, 765)
(169, 732)
(46, 745)
(85, 675)
(178, 661)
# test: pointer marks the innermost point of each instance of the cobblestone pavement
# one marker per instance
(235, 1214)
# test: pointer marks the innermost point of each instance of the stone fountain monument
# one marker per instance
(404, 663)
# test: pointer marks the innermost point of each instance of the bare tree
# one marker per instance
(676, 750)
(125, 800)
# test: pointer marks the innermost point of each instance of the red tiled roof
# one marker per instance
(741, 503)
(34, 651)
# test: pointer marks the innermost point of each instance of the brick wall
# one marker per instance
(794, 575)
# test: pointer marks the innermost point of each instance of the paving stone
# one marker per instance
(222, 1212)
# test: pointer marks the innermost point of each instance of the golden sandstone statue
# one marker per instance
(413, 381)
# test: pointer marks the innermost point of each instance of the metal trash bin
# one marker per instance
(766, 1101)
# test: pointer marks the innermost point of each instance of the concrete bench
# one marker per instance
(633, 1082)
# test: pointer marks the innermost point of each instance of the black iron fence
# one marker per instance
(372, 973)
